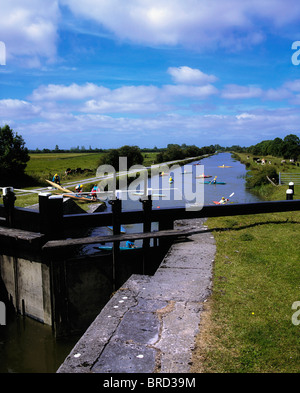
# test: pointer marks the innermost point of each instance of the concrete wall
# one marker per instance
(28, 286)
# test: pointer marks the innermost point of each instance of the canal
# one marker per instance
(27, 346)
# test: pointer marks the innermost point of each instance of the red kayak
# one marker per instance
(203, 176)
(219, 203)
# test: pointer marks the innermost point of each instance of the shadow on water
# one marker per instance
(27, 346)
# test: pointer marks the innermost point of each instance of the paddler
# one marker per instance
(79, 188)
(214, 181)
(56, 179)
(94, 191)
(130, 244)
(223, 200)
(171, 179)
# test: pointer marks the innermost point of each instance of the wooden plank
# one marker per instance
(19, 234)
(118, 238)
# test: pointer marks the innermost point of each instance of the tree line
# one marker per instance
(14, 155)
(288, 148)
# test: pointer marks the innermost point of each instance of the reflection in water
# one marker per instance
(29, 346)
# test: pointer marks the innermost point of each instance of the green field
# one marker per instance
(44, 165)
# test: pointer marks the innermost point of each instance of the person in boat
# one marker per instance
(223, 200)
(130, 244)
(79, 188)
(171, 179)
(214, 181)
(94, 191)
(56, 179)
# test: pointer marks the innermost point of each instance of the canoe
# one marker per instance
(210, 182)
(109, 248)
(58, 186)
(122, 229)
(224, 166)
(78, 197)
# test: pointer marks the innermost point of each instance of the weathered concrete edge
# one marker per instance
(179, 287)
(90, 346)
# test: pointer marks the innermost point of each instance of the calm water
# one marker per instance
(27, 346)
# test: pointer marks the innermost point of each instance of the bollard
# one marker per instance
(291, 186)
(9, 204)
(51, 215)
(289, 195)
(116, 205)
(147, 208)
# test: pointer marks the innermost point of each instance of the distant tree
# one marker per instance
(276, 147)
(132, 153)
(291, 146)
(13, 154)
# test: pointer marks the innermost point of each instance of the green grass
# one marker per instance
(247, 322)
(44, 166)
(256, 281)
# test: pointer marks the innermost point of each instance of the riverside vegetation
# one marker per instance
(246, 325)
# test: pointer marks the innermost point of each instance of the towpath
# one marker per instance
(150, 324)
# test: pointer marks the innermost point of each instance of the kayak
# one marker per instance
(109, 248)
(224, 166)
(86, 198)
(122, 229)
(203, 176)
(209, 182)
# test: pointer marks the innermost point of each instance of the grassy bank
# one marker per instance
(247, 324)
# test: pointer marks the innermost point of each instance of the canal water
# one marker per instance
(27, 346)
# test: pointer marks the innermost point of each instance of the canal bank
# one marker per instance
(150, 324)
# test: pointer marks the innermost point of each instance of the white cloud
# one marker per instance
(245, 116)
(198, 92)
(189, 75)
(18, 109)
(233, 23)
(29, 29)
(234, 92)
(71, 92)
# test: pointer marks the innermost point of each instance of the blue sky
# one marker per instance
(105, 73)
